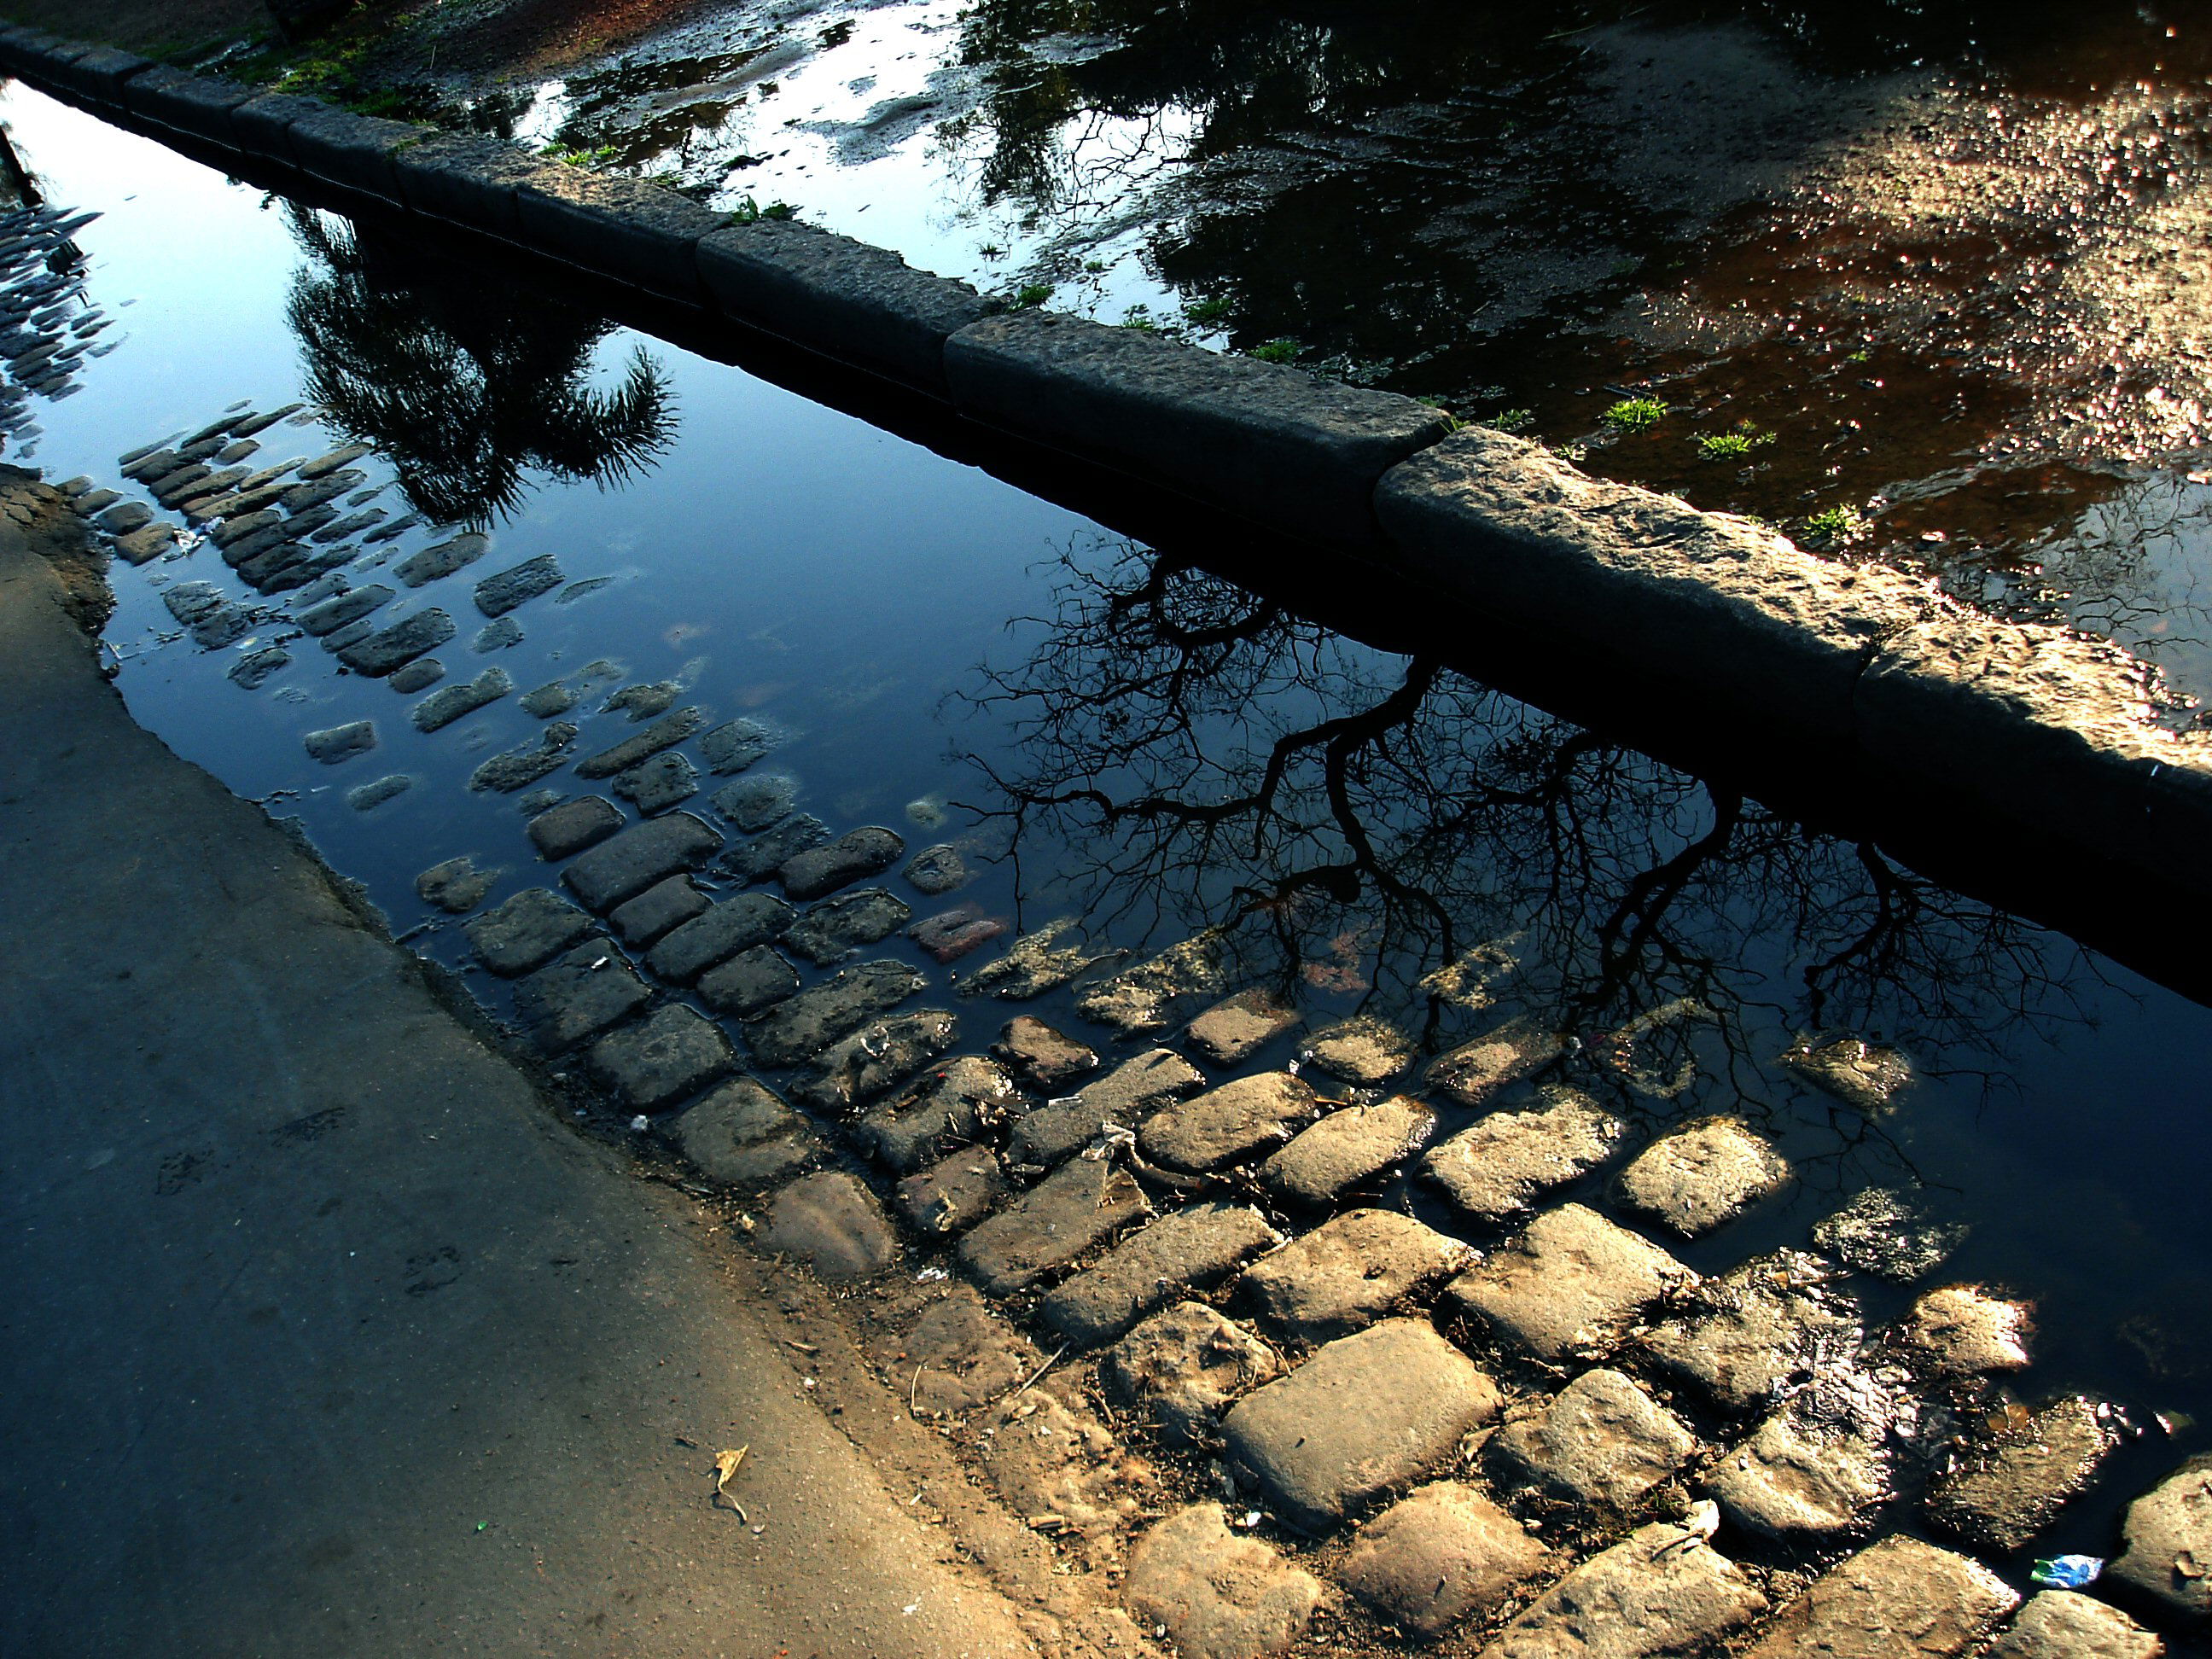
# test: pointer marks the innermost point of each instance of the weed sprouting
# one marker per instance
(1209, 311)
(1834, 526)
(1635, 415)
(1733, 445)
(572, 155)
(1277, 351)
(1030, 295)
(748, 211)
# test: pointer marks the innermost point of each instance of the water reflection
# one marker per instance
(467, 385)
(1361, 820)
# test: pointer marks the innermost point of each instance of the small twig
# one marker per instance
(911, 1386)
(1039, 1372)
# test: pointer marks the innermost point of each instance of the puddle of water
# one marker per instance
(1877, 266)
(1161, 748)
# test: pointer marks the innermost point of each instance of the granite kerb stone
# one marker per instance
(2041, 725)
(1272, 444)
(96, 73)
(843, 299)
(620, 227)
(195, 106)
(1508, 525)
(354, 151)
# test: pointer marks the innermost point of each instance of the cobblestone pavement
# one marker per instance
(1286, 1340)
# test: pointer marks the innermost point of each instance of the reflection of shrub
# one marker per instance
(465, 386)
(1635, 415)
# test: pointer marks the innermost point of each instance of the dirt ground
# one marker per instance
(159, 29)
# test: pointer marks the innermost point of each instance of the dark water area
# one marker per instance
(1915, 283)
(1114, 733)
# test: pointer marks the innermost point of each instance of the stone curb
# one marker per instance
(2026, 725)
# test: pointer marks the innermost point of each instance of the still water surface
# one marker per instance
(1114, 733)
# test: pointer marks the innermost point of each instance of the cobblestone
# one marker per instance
(625, 865)
(957, 1104)
(526, 932)
(834, 928)
(1218, 1595)
(1965, 1330)
(1052, 1456)
(2169, 1542)
(1034, 964)
(664, 905)
(741, 1135)
(953, 1194)
(574, 826)
(402, 641)
(1572, 1286)
(716, 935)
(1792, 1480)
(758, 859)
(1890, 1234)
(964, 1355)
(1662, 1591)
(1750, 1333)
(663, 734)
(1144, 998)
(1192, 1249)
(441, 709)
(1365, 1415)
(1350, 1145)
(656, 784)
(1439, 1554)
(456, 886)
(748, 983)
(1471, 1073)
(1497, 1170)
(1041, 1055)
(2009, 1486)
(2063, 1624)
(1183, 1367)
(1702, 1176)
(831, 1223)
(936, 870)
(1347, 1273)
(1235, 1029)
(1361, 1051)
(802, 1026)
(579, 995)
(664, 1059)
(1072, 1211)
(1898, 1596)
(1600, 1442)
(1126, 1096)
(1228, 1124)
(852, 856)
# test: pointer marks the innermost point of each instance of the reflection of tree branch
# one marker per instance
(1189, 751)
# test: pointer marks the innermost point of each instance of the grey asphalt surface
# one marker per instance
(318, 1333)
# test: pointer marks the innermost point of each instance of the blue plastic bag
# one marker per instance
(2068, 1572)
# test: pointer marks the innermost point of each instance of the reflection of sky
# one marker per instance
(912, 181)
(2138, 569)
(791, 562)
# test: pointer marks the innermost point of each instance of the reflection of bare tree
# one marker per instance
(1207, 757)
(466, 385)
